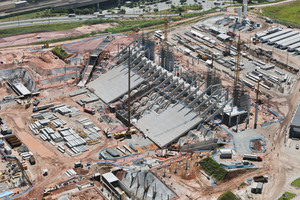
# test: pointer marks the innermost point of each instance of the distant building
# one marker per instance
(295, 124)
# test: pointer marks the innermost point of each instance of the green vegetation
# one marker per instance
(50, 12)
(296, 183)
(125, 26)
(58, 51)
(287, 196)
(243, 184)
(228, 195)
(189, 15)
(50, 27)
(288, 13)
(211, 167)
(181, 9)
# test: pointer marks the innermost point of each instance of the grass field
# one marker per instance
(288, 196)
(50, 27)
(296, 183)
(228, 195)
(287, 13)
(32, 15)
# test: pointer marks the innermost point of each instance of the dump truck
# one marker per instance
(252, 157)
(125, 133)
(263, 179)
(90, 111)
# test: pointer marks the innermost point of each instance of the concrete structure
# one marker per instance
(116, 80)
(117, 189)
(282, 37)
(223, 37)
(93, 62)
(226, 153)
(294, 47)
(146, 185)
(295, 124)
(19, 88)
(164, 107)
(273, 35)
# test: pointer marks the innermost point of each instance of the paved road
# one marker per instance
(231, 9)
(52, 20)
(130, 13)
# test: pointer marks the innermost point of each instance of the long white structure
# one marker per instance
(273, 35)
(279, 43)
(282, 37)
(290, 43)
(294, 47)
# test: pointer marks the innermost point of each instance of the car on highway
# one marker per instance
(297, 146)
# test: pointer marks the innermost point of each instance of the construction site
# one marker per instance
(184, 112)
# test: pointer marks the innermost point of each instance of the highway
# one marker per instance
(65, 19)
(130, 13)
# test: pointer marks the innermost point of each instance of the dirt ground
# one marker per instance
(46, 156)
(280, 160)
(29, 38)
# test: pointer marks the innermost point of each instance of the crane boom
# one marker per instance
(237, 64)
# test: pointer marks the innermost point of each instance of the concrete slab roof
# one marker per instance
(223, 36)
(169, 125)
(233, 111)
(296, 118)
(21, 88)
(110, 177)
(114, 84)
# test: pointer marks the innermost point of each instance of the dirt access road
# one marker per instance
(284, 160)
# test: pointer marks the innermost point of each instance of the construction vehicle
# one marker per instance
(107, 133)
(122, 134)
(36, 102)
(45, 46)
(90, 111)
(27, 105)
(263, 179)
(202, 55)
(252, 157)
(232, 34)
(255, 40)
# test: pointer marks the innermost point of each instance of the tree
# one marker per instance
(119, 6)
(180, 10)
(122, 11)
(182, 1)
(93, 33)
(155, 10)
